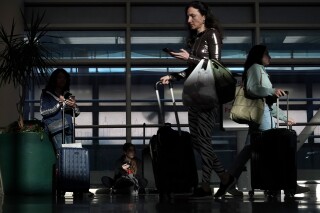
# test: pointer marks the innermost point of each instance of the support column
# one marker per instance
(9, 96)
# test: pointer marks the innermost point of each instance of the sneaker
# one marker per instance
(235, 192)
(302, 189)
(225, 187)
(200, 193)
(134, 192)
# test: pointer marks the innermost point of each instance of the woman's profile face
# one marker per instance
(266, 59)
(195, 19)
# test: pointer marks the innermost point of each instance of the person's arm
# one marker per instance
(76, 110)
(118, 171)
(72, 103)
(213, 39)
(282, 114)
(258, 83)
(49, 105)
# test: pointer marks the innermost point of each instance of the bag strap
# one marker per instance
(205, 64)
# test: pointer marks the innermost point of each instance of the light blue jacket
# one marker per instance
(259, 85)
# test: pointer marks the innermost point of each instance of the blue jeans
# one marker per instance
(57, 138)
(267, 121)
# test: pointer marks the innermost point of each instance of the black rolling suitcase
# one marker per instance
(273, 160)
(172, 156)
(72, 167)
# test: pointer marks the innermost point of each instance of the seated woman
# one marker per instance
(128, 173)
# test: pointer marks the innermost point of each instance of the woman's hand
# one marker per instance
(125, 166)
(291, 121)
(279, 92)
(71, 102)
(182, 55)
(61, 99)
(165, 79)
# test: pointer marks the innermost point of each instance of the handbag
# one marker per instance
(225, 82)
(199, 88)
(246, 110)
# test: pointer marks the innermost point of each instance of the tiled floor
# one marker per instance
(102, 202)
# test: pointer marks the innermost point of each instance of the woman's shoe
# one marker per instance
(302, 189)
(225, 187)
(235, 192)
(200, 193)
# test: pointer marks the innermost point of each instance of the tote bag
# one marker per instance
(246, 110)
(199, 88)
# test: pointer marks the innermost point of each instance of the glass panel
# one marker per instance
(112, 118)
(287, 14)
(237, 13)
(112, 90)
(85, 118)
(316, 131)
(316, 93)
(86, 44)
(293, 69)
(149, 44)
(147, 117)
(292, 43)
(296, 91)
(83, 94)
(170, 14)
(74, 15)
(236, 43)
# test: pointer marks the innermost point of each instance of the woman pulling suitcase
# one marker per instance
(258, 85)
(205, 43)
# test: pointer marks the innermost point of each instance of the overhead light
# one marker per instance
(293, 39)
(236, 39)
(143, 40)
(156, 40)
(92, 40)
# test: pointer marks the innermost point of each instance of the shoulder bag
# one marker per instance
(246, 110)
(225, 82)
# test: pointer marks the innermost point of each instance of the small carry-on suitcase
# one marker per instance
(273, 160)
(172, 156)
(72, 167)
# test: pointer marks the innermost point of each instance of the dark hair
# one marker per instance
(51, 85)
(210, 22)
(127, 146)
(254, 56)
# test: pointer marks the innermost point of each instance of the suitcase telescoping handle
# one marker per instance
(63, 123)
(162, 119)
(278, 107)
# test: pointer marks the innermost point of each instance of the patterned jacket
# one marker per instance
(51, 111)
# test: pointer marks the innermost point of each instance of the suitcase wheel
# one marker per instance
(78, 195)
(289, 193)
(251, 193)
(272, 193)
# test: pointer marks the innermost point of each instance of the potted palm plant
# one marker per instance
(26, 154)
